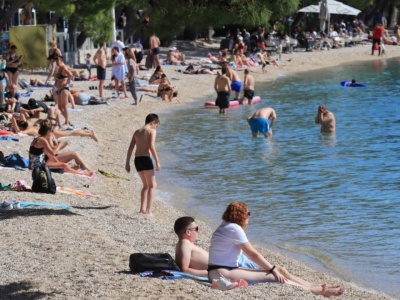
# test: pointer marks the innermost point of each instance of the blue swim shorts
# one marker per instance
(259, 125)
(236, 86)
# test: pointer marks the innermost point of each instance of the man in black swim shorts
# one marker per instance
(144, 141)
(222, 86)
(248, 88)
(155, 48)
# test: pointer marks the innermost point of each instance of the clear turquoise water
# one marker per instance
(332, 201)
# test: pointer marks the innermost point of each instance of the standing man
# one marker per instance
(222, 86)
(155, 48)
(236, 83)
(118, 43)
(100, 60)
(376, 38)
(259, 121)
(326, 119)
(145, 141)
(248, 88)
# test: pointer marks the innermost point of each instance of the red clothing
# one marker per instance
(378, 32)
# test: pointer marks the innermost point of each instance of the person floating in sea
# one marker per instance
(145, 139)
(326, 119)
(259, 121)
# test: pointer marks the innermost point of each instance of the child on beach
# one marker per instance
(89, 64)
(144, 139)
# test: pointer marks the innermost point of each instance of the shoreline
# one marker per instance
(84, 252)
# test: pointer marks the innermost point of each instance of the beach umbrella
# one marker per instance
(334, 7)
(324, 15)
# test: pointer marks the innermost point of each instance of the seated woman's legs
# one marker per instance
(68, 169)
(72, 155)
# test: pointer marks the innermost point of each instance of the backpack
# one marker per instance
(140, 262)
(43, 182)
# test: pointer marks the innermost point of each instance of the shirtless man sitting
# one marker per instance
(192, 258)
(259, 121)
(326, 119)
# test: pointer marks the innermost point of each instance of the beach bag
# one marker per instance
(140, 262)
(43, 182)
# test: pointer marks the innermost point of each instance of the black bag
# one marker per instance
(43, 182)
(140, 262)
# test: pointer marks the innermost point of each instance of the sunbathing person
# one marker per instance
(192, 258)
(191, 70)
(222, 58)
(174, 57)
(40, 146)
(37, 82)
(67, 156)
(32, 128)
(156, 77)
(229, 240)
(34, 108)
(165, 89)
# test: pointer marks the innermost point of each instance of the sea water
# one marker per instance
(329, 200)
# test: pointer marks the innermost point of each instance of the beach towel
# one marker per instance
(6, 132)
(70, 191)
(27, 94)
(8, 138)
(110, 175)
(14, 160)
(27, 204)
(172, 275)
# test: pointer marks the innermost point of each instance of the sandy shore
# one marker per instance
(83, 253)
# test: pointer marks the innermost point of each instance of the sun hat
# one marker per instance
(172, 48)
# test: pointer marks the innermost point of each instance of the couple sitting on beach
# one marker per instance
(232, 258)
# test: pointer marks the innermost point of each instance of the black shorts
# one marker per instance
(222, 100)
(143, 163)
(155, 51)
(139, 57)
(101, 73)
(249, 94)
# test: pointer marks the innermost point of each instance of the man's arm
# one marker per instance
(273, 118)
(129, 154)
(153, 149)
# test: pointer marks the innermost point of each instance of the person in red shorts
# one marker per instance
(376, 37)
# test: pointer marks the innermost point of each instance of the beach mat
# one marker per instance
(38, 204)
(70, 191)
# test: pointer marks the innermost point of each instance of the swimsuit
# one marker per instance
(143, 163)
(222, 100)
(61, 76)
(52, 56)
(236, 86)
(155, 51)
(58, 92)
(101, 73)
(12, 70)
(249, 94)
(259, 124)
(35, 156)
(215, 267)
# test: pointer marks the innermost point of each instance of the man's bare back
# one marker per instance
(248, 82)
(222, 84)
(154, 42)
(100, 58)
(143, 138)
(265, 112)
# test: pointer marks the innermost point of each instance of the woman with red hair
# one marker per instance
(230, 240)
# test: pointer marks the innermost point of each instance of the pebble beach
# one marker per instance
(83, 252)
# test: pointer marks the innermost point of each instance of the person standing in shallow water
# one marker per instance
(326, 119)
(145, 139)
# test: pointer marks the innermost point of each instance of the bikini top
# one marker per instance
(35, 151)
(52, 56)
(61, 76)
